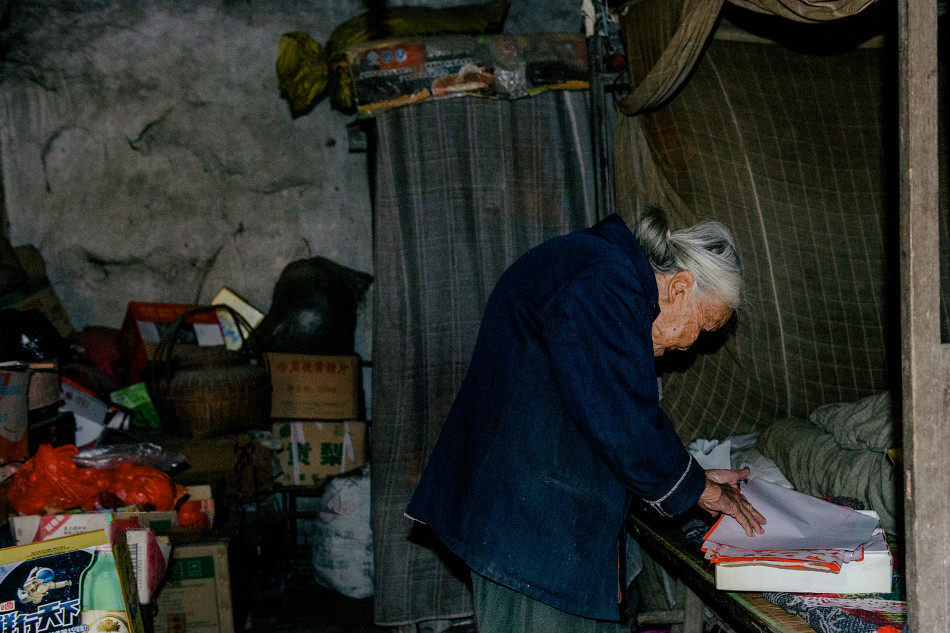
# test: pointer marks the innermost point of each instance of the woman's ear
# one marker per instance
(681, 284)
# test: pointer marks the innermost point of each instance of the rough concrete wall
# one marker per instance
(147, 154)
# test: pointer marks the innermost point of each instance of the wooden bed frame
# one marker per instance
(925, 359)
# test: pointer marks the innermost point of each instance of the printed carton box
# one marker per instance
(196, 598)
(310, 387)
(31, 528)
(144, 325)
(313, 451)
(76, 584)
(148, 552)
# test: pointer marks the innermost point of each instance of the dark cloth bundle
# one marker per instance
(313, 310)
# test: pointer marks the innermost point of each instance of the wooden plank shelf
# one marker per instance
(745, 612)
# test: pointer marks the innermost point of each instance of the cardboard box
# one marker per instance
(89, 411)
(309, 387)
(145, 324)
(44, 385)
(39, 295)
(47, 586)
(233, 465)
(82, 402)
(31, 528)
(196, 597)
(34, 528)
(14, 410)
(314, 451)
(872, 574)
(148, 552)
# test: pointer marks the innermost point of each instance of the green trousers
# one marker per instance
(499, 609)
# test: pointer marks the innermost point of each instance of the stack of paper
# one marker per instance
(809, 545)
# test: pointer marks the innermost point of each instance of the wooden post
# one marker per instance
(925, 362)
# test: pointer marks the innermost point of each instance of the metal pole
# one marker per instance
(600, 132)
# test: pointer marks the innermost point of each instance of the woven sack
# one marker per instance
(207, 391)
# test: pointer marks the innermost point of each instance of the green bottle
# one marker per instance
(100, 594)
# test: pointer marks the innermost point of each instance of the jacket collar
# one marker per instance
(615, 230)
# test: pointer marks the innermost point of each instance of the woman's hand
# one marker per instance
(722, 496)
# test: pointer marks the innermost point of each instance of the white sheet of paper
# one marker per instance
(795, 521)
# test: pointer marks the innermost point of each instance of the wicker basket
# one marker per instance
(206, 391)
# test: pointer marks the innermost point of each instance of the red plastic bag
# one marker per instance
(50, 483)
(191, 517)
(143, 486)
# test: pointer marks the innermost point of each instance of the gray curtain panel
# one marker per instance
(463, 187)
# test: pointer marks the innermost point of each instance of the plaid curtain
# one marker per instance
(462, 187)
(789, 150)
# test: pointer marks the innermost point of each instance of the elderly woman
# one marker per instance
(557, 424)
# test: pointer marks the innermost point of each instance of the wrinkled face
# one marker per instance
(683, 314)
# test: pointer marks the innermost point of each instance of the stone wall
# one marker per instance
(146, 151)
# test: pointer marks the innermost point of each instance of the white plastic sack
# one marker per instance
(710, 454)
(738, 452)
(342, 539)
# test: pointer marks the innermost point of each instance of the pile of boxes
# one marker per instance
(169, 576)
(316, 431)
(81, 583)
(315, 411)
(316, 401)
(154, 545)
(92, 582)
(29, 392)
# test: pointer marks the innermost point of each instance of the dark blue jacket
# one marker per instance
(557, 424)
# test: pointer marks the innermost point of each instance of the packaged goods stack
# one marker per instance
(315, 413)
(83, 582)
(174, 440)
(318, 415)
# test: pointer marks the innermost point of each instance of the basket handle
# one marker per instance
(166, 347)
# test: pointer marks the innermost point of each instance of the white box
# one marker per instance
(144, 548)
(872, 574)
(235, 336)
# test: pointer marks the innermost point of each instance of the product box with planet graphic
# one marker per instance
(74, 584)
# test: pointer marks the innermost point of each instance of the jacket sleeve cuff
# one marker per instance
(678, 493)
